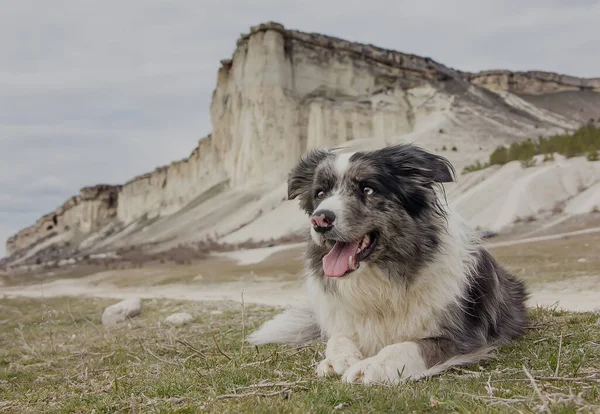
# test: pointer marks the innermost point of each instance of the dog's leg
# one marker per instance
(391, 365)
(410, 361)
(341, 353)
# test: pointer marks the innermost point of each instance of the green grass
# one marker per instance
(55, 356)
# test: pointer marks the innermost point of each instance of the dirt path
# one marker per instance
(543, 238)
(575, 295)
(268, 293)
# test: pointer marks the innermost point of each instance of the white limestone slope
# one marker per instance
(585, 202)
(512, 192)
(492, 198)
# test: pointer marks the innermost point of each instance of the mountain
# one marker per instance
(285, 91)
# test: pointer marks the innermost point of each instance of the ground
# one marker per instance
(55, 356)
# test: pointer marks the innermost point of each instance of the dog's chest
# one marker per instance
(376, 312)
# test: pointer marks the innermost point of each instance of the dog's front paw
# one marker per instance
(394, 364)
(336, 365)
(370, 371)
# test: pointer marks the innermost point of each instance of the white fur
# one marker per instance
(392, 364)
(341, 353)
(294, 325)
(376, 312)
(342, 162)
(335, 202)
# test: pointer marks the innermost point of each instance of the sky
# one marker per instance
(101, 91)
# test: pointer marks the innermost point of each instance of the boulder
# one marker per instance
(179, 319)
(122, 311)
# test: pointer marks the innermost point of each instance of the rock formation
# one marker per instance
(81, 214)
(283, 92)
(532, 82)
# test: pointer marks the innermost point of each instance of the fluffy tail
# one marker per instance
(460, 360)
(294, 326)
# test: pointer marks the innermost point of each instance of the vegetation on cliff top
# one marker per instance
(584, 141)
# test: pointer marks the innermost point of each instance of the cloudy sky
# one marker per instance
(100, 91)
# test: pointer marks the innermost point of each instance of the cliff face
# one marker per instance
(283, 92)
(81, 214)
(168, 189)
(532, 82)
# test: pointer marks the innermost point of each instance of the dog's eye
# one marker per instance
(368, 191)
(320, 194)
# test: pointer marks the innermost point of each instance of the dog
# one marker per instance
(398, 285)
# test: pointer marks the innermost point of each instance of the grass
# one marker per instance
(55, 356)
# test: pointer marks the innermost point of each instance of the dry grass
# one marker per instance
(553, 260)
(56, 357)
(179, 265)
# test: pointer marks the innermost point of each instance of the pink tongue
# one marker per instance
(335, 264)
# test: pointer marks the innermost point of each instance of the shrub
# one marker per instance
(454, 149)
(499, 156)
(592, 155)
(559, 207)
(528, 163)
(548, 157)
(475, 167)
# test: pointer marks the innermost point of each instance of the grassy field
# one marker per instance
(55, 356)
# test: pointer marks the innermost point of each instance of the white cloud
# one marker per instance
(102, 91)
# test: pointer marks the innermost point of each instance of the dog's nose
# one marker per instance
(322, 220)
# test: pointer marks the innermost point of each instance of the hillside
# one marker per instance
(285, 91)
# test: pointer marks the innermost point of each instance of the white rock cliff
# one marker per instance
(281, 93)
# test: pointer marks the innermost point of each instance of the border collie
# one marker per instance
(397, 284)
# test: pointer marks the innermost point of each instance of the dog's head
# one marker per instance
(378, 206)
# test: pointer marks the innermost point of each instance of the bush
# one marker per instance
(592, 155)
(548, 157)
(499, 156)
(475, 167)
(454, 149)
(528, 163)
(559, 207)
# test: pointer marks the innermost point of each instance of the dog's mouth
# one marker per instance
(344, 258)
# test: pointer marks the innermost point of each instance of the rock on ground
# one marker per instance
(122, 311)
(178, 319)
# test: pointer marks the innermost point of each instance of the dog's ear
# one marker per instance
(301, 177)
(440, 169)
(414, 161)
